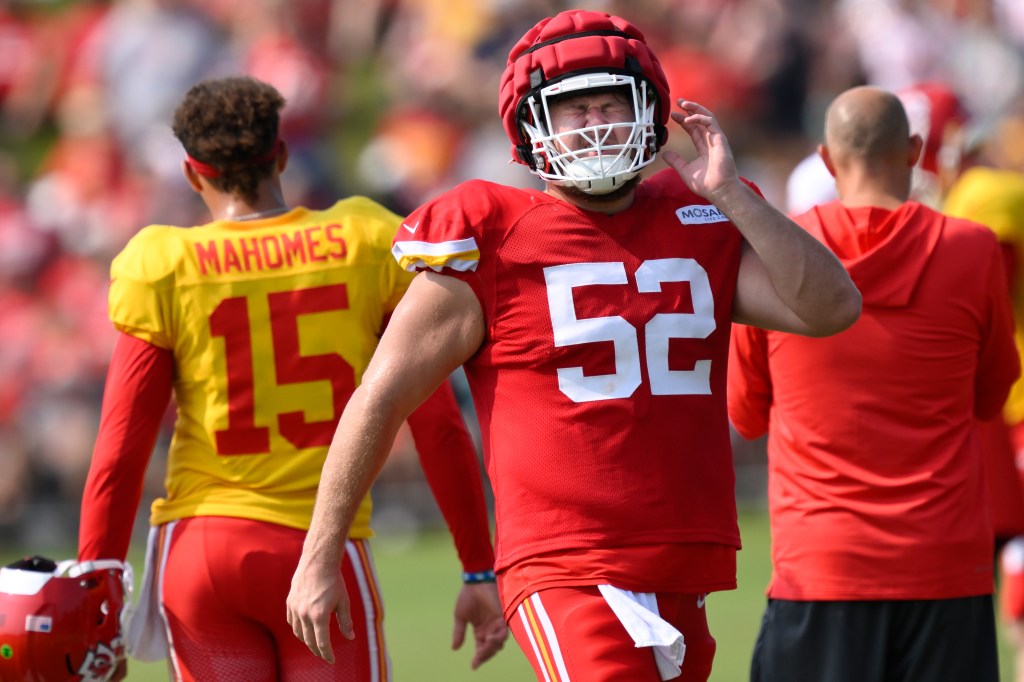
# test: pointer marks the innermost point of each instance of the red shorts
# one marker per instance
(1011, 580)
(222, 585)
(571, 633)
(1011, 559)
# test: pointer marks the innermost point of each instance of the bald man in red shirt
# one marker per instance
(881, 534)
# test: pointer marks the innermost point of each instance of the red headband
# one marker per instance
(208, 171)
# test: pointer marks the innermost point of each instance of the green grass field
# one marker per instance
(420, 580)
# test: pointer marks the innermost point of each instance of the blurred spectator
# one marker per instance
(1010, 15)
(22, 90)
(152, 52)
(409, 158)
(84, 193)
(901, 42)
(991, 192)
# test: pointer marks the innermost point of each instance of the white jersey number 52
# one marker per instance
(570, 330)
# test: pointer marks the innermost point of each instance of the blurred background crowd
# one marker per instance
(394, 99)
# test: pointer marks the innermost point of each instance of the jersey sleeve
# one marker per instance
(450, 465)
(141, 288)
(137, 392)
(454, 235)
(749, 387)
(446, 234)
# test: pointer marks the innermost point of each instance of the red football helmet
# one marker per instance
(63, 622)
(571, 53)
(934, 111)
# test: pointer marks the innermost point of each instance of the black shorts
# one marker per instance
(946, 640)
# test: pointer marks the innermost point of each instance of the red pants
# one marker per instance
(222, 587)
(1011, 579)
(1011, 559)
(571, 633)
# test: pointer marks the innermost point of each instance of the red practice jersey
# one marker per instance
(876, 478)
(600, 385)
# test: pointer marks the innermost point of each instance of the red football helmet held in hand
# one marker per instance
(63, 622)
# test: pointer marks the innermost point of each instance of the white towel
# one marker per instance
(638, 613)
(146, 639)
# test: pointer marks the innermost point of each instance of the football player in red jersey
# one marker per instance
(593, 320)
(262, 323)
(882, 538)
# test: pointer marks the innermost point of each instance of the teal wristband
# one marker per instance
(478, 577)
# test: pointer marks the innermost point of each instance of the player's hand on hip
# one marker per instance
(714, 167)
(317, 592)
(478, 605)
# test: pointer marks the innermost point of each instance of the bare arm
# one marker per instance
(437, 326)
(787, 280)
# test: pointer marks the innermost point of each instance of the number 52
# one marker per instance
(570, 330)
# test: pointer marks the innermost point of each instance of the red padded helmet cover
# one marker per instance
(931, 107)
(576, 41)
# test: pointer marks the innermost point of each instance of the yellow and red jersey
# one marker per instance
(995, 198)
(271, 323)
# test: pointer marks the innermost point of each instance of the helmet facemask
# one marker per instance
(596, 159)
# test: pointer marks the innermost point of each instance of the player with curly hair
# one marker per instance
(261, 323)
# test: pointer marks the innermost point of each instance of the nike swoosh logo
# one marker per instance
(700, 601)
(414, 227)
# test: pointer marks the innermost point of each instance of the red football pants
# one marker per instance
(570, 633)
(222, 584)
(1011, 560)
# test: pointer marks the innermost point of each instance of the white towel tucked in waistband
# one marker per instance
(638, 613)
(146, 638)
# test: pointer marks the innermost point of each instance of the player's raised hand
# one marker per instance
(714, 167)
(478, 605)
(317, 592)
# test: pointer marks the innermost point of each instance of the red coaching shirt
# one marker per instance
(600, 386)
(876, 482)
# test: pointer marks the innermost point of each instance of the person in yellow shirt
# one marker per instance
(991, 192)
(261, 323)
